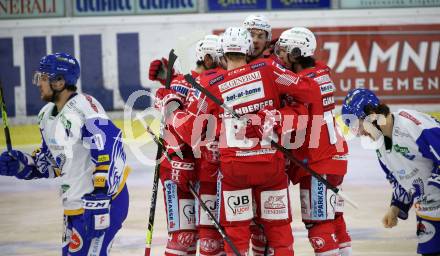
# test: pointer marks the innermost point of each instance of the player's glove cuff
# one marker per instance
(96, 214)
(403, 209)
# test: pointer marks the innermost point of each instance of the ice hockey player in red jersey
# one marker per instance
(176, 172)
(261, 32)
(249, 167)
(325, 150)
(208, 164)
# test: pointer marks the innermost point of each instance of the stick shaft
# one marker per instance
(5, 120)
(149, 236)
(213, 220)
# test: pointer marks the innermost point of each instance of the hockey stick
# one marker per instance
(213, 220)
(277, 146)
(194, 193)
(171, 59)
(149, 236)
(5, 120)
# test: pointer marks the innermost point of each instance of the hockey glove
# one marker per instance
(96, 214)
(16, 163)
(157, 71)
(165, 96)
(271, 120)
(182, 173)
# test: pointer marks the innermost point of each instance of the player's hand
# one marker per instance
(158, 71)
(167, 100)
(96, 214)
(390, 218)
(271, 120)
(14, 163)
(182, 173)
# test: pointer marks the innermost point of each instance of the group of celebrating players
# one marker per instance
(283, 94)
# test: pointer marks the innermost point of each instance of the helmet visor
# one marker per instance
(39, 76)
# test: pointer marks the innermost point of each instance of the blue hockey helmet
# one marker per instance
(355, 102)
(60, 65)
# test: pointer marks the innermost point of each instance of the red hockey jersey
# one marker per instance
(246, 89)
(325, 148)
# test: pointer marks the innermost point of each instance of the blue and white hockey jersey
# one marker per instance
(82, 147)
(412, 165)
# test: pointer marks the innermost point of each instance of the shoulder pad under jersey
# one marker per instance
(86, 106)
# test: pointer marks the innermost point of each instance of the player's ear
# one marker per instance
(59, 83)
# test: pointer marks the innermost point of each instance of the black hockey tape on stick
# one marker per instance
(172, 57)
(5, 120)
(213, 220)
(277, 146)
(159, 144)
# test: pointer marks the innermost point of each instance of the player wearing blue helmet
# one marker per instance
(82, 147)
(410, 158)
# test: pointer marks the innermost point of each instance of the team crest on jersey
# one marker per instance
(76, 241)
(317, 242)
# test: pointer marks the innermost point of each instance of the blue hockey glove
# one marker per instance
(16, 163)
(96, 214)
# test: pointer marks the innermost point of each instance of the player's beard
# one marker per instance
(47, 96)
(256, 54)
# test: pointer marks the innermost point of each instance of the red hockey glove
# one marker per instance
(182, 172)
(165, 96)
(271, 120)
(158, 71)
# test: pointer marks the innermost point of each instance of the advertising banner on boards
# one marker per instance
(225, 5)
(128, 7)
(10, 9)
(399, 63)
(387, 3)
(299, 4)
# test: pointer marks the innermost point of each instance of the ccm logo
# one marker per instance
(182, 165)
(96, 205)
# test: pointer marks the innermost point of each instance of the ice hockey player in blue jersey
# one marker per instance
(410, 158)
(82, 147)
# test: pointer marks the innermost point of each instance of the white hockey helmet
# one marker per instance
(207, 45)
(258, 22)
(237, 39)
(298, 41)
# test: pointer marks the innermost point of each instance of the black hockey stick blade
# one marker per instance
(172, 57)
(274, 144)
(5, 119)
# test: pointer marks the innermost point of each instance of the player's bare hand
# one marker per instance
(390, 218)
